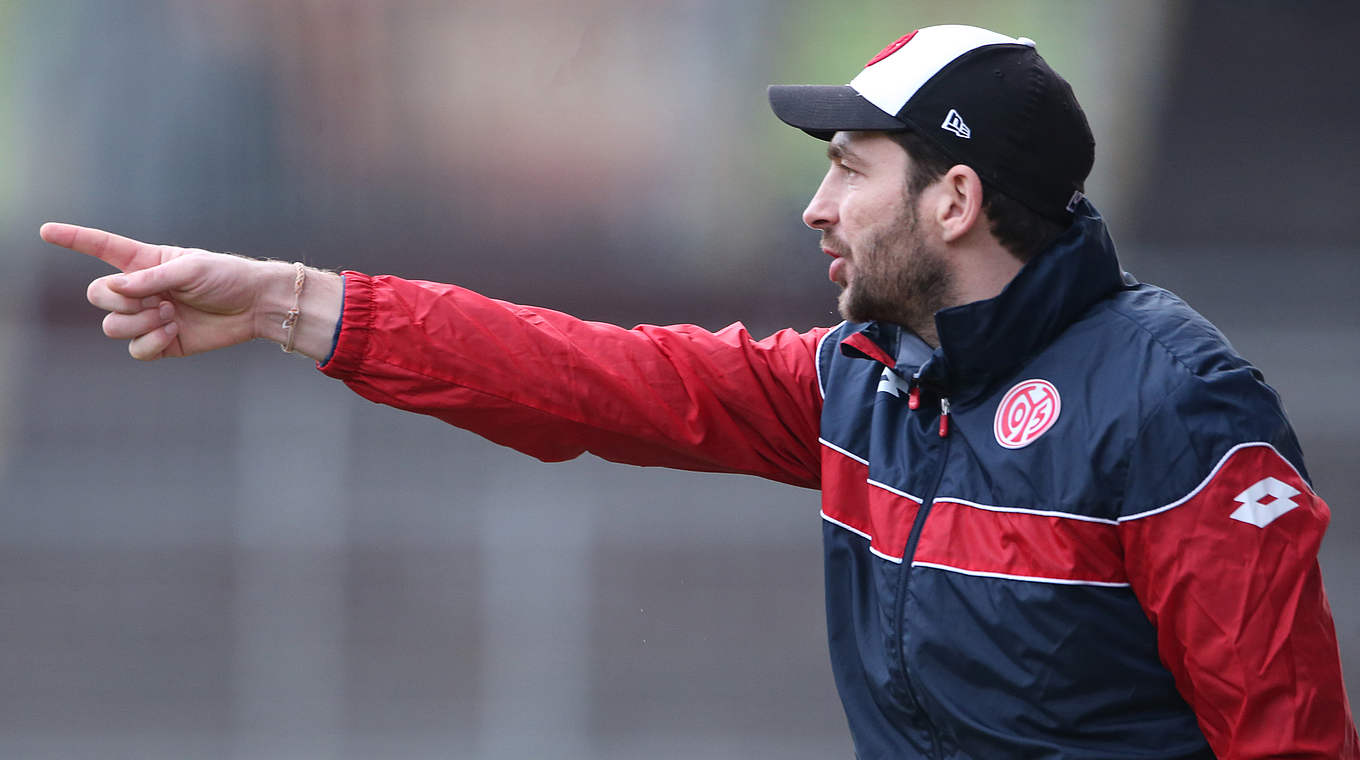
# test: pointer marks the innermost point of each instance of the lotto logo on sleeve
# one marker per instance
(1265, 501)
(1026, 412)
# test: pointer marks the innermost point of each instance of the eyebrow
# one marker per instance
(838, 152)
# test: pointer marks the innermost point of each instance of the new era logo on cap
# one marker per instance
(954, 123)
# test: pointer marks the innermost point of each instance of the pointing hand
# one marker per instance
(171, 301)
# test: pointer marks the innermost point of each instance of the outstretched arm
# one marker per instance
(171, 301)
(554, 386)
(542, 382)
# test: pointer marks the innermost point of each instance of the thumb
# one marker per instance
(162, 278)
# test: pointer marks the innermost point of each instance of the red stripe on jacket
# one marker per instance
(884, 517)
(1021, 545)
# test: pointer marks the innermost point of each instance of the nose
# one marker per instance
(821, 210)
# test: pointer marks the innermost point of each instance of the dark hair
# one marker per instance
(1021, 231)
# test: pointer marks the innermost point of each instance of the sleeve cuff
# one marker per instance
(354, 329)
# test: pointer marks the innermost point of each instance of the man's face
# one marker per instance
(886, 266)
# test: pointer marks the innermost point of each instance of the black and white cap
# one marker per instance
(987, 100)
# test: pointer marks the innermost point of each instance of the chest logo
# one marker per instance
(1026, 412)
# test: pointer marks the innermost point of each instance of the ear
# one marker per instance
(958, 205)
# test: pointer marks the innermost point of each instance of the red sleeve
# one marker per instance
(554, 386)
(1229, 577)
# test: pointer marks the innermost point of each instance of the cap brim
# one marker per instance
(824, 110)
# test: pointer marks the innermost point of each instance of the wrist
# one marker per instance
(274, 288)
(318, 305)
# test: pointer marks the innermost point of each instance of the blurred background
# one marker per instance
(232, 556)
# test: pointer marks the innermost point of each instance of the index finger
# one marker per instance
(125, 253)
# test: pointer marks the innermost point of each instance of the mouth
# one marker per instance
(836, 272)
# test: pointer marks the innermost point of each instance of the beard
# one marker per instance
(896, 277)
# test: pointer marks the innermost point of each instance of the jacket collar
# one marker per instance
(984, 339)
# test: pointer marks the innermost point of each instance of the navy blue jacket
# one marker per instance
(1007, 581)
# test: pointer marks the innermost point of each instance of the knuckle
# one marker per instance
(100, 244)
(170, 254)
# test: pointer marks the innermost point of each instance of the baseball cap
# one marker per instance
(987, 100)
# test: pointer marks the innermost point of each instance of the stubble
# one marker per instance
(897, 278)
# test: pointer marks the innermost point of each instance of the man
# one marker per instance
(1062, 518)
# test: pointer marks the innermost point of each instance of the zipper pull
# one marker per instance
(914, 392)
(944, 417)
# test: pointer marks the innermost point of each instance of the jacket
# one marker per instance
(1080, 528)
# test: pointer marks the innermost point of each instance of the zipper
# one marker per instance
(912, 539)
